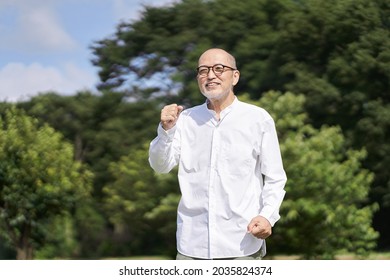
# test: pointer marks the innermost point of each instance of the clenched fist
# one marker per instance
(169, 115)
(260, 227)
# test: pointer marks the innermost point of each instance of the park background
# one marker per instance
(75, 182)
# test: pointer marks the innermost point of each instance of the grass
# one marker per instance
(140, 258)
(372, 256)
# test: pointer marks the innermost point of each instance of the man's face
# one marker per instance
(212, 85)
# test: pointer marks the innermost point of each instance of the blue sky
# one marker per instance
(44, 44)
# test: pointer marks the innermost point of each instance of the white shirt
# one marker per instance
(221, 169)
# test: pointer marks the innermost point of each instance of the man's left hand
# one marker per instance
(260, 227)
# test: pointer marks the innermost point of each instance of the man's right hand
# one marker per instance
(169, 115)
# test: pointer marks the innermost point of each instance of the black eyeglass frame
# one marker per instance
(212, 67)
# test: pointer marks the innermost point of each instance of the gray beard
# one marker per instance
(215, 96)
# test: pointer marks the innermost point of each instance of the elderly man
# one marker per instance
(230, 173)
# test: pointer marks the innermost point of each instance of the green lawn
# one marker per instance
(373, 256)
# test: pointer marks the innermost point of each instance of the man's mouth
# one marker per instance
(213, 84)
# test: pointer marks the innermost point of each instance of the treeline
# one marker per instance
(321, 68)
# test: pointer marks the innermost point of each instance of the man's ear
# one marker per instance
(236, 77)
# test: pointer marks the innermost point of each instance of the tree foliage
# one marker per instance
(102, 127)
(327, 189)
(39, 180)
(142, 205)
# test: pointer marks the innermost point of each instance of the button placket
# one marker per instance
(213, 230)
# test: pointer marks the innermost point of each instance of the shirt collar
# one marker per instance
(225, 111)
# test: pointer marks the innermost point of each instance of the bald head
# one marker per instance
(220, 55)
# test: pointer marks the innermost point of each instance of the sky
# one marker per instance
(45, 44)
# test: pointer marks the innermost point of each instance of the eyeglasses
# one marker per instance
(218, 69)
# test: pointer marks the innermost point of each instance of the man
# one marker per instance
(230, 173)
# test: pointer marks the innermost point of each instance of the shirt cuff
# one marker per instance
(167, 134)
(270, 214)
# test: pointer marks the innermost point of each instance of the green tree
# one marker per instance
(337, 53)
(103, 127)
(39, 181)
(139, 51)
(142, 205)
(326, 209)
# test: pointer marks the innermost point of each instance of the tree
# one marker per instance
(72, 115)
(142, 205)
(39, 180)
(327, 190)
(337, 53)
(103, 127)
(139, 51)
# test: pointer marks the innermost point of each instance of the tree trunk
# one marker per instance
(24, 249)
(79, 151)
(25, 253)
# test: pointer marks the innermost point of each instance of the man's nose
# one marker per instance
(211, 74)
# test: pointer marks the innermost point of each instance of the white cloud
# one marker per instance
(34, 42)
(35, 26)
(19, 81)
(124, 9)
(42, 28)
